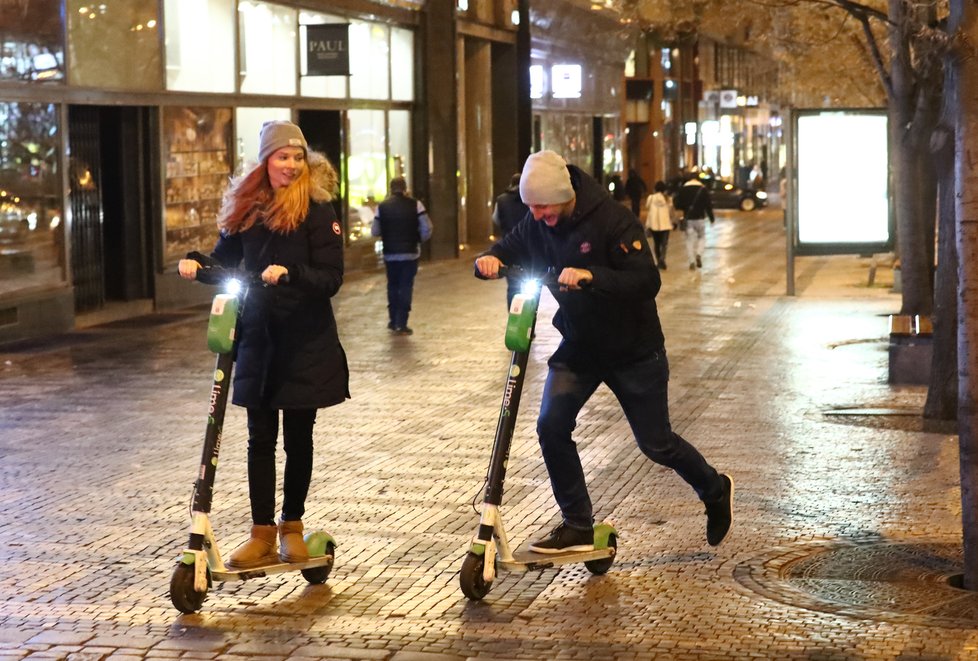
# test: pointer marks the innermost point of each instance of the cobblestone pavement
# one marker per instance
(846, 531)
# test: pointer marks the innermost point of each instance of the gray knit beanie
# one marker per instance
(545, 179)
(277, 134)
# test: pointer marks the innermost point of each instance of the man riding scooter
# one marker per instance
(611, 335)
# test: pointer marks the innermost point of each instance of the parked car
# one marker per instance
(725, 195)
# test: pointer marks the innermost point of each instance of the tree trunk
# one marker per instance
(965, 15)
(942, 391)
(906, 131)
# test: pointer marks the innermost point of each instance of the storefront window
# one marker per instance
(330, 87)
(367, 169)
(553, 132)
(369, 61)
(198, 164)
(31, 228)
(611, 156)
(402, 64)
(114, 45)
(400, 159)
(32, 44)
(248, 122)
(199, 45)
(268, 48)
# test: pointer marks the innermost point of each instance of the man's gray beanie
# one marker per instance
(545, 179)
(277, 134)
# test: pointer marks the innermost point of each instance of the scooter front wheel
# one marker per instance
(598, 567)
(470, 578)
(318, 575)
(185, 599)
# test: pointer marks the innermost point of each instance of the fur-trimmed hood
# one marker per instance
(323, 179)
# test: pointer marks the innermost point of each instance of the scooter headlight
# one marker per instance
(530, 286)
(761, 195)
(232, 286)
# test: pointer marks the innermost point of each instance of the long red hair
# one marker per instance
(250, 198)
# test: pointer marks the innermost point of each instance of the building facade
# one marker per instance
(698, 103)
(121, 123)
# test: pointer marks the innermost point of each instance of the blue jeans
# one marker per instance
(642, 391)
(400, 287)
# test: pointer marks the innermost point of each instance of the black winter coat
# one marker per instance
(616, 320)
(693, 199)
(288, 352)
(509, 210)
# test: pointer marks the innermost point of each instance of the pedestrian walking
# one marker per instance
(611, 334)
(507, 212)
(693, 200)
(635, 188)
(658, 221)
(276, 220)
(402, 223)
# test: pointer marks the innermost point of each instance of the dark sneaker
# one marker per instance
(719, 513)
(403, 330)
(692, 266)
(564, 539)
(699, 262)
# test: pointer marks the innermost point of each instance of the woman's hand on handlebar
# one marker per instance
(188, 268)
(488, 266)
(572, 278)
(273, 274)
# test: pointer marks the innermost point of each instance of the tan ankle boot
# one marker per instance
(257, 551)
(293, 545)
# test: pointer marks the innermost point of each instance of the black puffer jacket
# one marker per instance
(615, 321)
(289, 353)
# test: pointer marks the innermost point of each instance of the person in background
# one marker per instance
(276, 220)
(402, 224)
(635, 188)
(694, 201)
(507, 212)
(757, 177)
(611, 334)
(658, 221)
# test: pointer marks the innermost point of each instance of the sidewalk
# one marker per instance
(846, 526)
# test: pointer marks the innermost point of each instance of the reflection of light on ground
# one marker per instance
(840, 477)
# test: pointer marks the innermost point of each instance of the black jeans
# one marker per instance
(642, 391)
(660, 243)
(297, 427)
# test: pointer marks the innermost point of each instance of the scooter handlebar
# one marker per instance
(547, 278)
(212, 273)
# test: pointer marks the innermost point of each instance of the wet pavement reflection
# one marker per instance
(101, 435)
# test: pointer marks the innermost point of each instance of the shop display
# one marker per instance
(198, 167)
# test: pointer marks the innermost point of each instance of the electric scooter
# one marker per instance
(201, 562)
(490, 549)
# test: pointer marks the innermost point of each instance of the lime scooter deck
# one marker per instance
(274, 568)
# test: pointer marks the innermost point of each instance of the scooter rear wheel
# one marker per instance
(470, 578)
(182, 594)
(318, 575)
(598, 567)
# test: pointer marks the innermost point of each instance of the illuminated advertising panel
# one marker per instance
(565, 81)
(841, 188)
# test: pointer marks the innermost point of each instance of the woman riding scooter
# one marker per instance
(276, 219)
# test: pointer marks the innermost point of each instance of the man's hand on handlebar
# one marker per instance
(572, 278)
(488, 266)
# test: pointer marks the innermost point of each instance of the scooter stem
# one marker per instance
(503, 441)
(204, 488)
